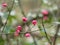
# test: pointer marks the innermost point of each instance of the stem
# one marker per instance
(21, 8)
(19, 2)
(6, 22)
(46, 33)
(7, 38)
(8, 16)
(20, 32)
(17, 42)
(32, 35)
(55, 37)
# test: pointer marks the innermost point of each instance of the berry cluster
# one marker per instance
(34, 22)
(24, 19)
(45, 14)
(19, 28)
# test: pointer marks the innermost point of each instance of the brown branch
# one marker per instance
(46, 33)
(55, 37)
(8, 16)
(19, 2)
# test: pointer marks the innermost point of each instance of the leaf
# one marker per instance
(8, 29)
(11, 18)
(1, 41)
(42, 33)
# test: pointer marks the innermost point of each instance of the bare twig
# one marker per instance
(21, 8)
(8, 16)
(55, 37)
(20, 32)
(9, 10)
(46, 32)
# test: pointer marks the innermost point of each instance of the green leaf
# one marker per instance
(42, 33)
(8, 29)
(1, 41)
(11, 18)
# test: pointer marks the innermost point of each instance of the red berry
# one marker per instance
(18, 31)
(34, 22)
(24, 19)
(16, 34)
(45, 17)
(19, 28)
(4, 4)
(45, 12)
(27, 35)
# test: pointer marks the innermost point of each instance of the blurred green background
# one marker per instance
(32, 10)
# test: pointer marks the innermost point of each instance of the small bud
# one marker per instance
(24, 19)
(16, 34)
(4, 4)
(45, 18)
(27, 35)
(45, 12)
(19, 28)
(34, 22)
(18, 31)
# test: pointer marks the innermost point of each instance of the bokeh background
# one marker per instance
(32, 10)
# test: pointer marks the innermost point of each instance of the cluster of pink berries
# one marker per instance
(34, 22)
(24, 19)
(45, 14)
(19, 28)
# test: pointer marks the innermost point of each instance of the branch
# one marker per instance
(8, 16)
(46, 32)
(55, 37)
(19, 2)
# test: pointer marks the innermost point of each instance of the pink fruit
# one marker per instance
(18, 31)
(4, 4)
(16, 34)
(45, 12)
(34, 22)
(24, 19)
(45, 17)
(19, 28)
(27, 35)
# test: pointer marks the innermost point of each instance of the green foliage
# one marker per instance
(1, 41)
(11, 18)
(9, 29)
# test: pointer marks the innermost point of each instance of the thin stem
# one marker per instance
(20, 32)
(19, 2)
(21, 8)
(17, 42)
(32, 34)
(55, 37)
(7, 38)
(46, 32)
(6, 22)
(58, 26)
(8, 16)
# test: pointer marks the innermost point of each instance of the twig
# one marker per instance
(21, 8)
(20, 32)
(32, 35)
(8, 16)
(19, 2)
(9, 10)
(55, 37)
(46, 32)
